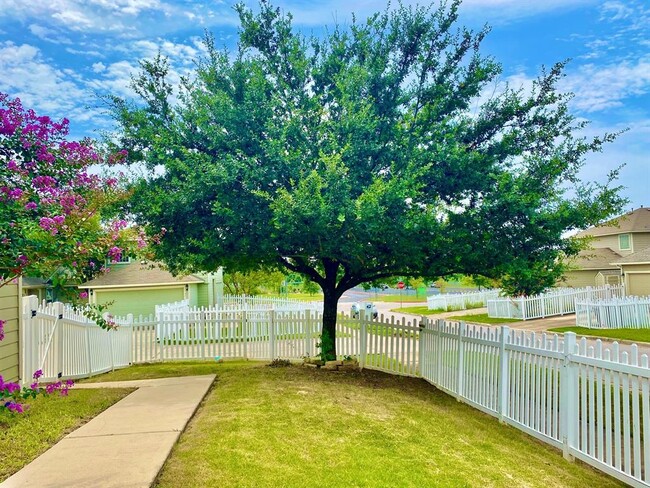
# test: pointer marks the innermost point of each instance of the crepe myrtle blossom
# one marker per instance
(49, 200)
(13, 397)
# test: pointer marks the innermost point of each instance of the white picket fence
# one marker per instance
(179, 306)
(460, 301)
(590, 401)
(616, 313)
(557, 301)
(241, 302)
(64, 343)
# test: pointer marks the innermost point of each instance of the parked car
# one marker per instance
(368, 308)
(384, 286)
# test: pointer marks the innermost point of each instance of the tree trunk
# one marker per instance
(328, 337)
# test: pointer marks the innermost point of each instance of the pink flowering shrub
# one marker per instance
(51, 216)
(50, 202)
(12, 396)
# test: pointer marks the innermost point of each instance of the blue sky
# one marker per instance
(57, 55)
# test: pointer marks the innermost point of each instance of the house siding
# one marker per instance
(641, 241)
(141, 301)
(202, 295)
(579, 278)
(9, 347)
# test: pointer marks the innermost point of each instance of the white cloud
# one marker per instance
(599, 87)
(48, 34)
(82, 52)
(28, 76)
(99, 67)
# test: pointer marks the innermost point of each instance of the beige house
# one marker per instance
(610, 257)
(635, 271)
(10, 312)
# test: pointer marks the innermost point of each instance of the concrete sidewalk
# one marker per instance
(124, 446)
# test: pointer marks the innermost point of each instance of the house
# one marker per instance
(610, 256)
(635, 272)
(10, 313)
(37, 287)
(137, 287)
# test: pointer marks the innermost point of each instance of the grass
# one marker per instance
(299, 426)
(482, 318)
(417, 310)
(25, 437)
(636, 335)
(306, 297)
(399, 298)
(425, 311)
(158, 370)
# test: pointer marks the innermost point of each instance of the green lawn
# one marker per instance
(636, 335)
(24, 437)
(398, 298)
(159, 370)
(423, 310)
(300, 426)
(306, 297)
(482, 318)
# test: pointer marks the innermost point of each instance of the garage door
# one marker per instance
(638, 284)
(138, 302)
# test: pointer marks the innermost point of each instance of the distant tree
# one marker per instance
(309, 287)
(252, 282)
(358, 156)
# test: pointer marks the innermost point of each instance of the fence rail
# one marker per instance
(557, 301)
(460, 301)
(592, 402)
(616, 313)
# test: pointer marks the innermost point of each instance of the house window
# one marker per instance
(624, 242)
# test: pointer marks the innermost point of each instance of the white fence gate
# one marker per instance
(557, 301)
(617, 313)
(64, 343)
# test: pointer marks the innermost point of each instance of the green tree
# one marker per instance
(309, 287)
(359, 155)
(252, 282)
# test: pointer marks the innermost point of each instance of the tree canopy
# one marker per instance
(369, 152)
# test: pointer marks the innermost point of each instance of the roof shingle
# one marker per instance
(134, 274)
(635, 221)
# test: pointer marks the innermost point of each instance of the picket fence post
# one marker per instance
(89, 367)
(58, 310)
(244, 332)
(503, 374)
(423, 325)
(30, 308)
(440, 326)
(129, 321)
(363, 343)
(272, 334)
(569, 397)
(307, 328)
(461, 360)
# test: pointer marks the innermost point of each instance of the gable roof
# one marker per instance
(600, 258)
(31, 282)
(635, 221)
(138, 274)
(641, 257)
